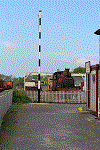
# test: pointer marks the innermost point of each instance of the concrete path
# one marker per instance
(49, 127)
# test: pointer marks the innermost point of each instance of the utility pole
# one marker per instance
(40, 15)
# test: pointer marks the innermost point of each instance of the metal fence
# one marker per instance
(58, 96)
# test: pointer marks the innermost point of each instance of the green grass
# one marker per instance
(20, 96)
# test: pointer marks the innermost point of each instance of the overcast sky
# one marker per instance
(68, 38)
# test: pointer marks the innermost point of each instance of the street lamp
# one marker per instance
(98, 33)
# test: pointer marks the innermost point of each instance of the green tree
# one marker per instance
(19, 82)
(6, 78)
(79, 70)
(45, 78)
(28, 79)
(35, 77)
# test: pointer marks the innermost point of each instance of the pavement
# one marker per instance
(49, 127)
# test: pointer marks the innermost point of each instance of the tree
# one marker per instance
(6, 78)
(19, 82)
(35, 77)
(28, 79)
(45, 78)
(79, 70)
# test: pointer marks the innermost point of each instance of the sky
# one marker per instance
(67, 35)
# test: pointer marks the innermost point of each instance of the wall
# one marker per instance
(99, 81)
(99, 88)
(93, 90)
(5, 102)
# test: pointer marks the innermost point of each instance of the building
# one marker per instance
(93, 88)
(30, 85)
(78, 81)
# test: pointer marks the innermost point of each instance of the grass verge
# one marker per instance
(20, 97)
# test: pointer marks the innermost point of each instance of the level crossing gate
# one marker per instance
(58, 96)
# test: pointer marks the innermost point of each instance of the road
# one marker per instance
(49, 127)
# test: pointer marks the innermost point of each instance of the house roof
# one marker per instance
(97, 32)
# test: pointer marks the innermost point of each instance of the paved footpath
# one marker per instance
(49, 127)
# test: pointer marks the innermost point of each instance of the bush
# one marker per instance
(20, 96)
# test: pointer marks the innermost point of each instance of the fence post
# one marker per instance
(40, 96)
(37, 95)
(85, 98)
(66, 96)
(63, 97)
(56, 96)
(78, 97)
(81, 97)
(72, 97)
(75, 97)
(52, 97)
(69, 97)
(45, 96)
(27, 92)
(59, 93)
(33, 95)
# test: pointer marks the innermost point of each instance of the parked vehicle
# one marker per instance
(8, 85)
(5, 85)
(1, 85)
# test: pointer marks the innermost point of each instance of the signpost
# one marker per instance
(87, 67)
(87, 71)
(30, 84)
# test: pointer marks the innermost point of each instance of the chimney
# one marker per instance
(57, 70)
(67, 69)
